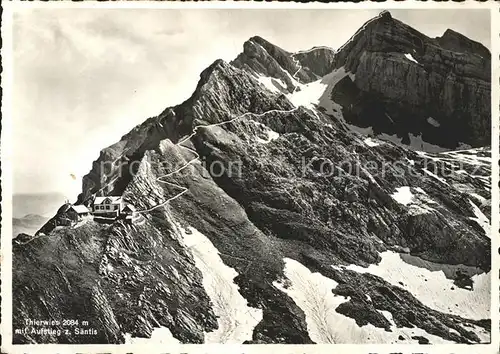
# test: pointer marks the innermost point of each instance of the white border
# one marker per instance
(6, 153)
(6, 178)
(495, 175)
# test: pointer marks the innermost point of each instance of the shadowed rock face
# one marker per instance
(291, 182)
(317, 60)
(260, 57)
(448, 80)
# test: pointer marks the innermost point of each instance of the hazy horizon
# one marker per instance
(42, 204)
(82, 81)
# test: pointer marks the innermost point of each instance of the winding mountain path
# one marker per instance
(197, 156)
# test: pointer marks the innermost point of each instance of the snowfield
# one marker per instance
(432, 287)
(312, 292)
(311, 94)
(308, 95)
(236, 319)
(272, 84)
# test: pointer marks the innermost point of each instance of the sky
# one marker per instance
(85, 77)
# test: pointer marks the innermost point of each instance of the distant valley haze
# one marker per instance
(31, 211)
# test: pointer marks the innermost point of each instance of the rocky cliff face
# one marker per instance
(403, 78)
(262, 220)
(263, 58)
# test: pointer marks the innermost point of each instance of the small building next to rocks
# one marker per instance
(78, 213)
(107, 206)
(113, 207)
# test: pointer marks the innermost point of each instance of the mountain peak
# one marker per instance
(263, 58)
(262, 42)
(217, 65)
(259, 44)
(449, 33)
(385, 15)
(457, 42)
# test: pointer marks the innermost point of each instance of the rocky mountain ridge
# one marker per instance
(449, 83)
(295, 236)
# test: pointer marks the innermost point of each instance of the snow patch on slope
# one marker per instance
(370, 142)
(331, 80)
(363, 131)
(433, 122)
(432, 287)
(312, 292)
(271, 135)
(417, 204)
(481, 199)
(411, 58)
(470, 156)
(160, 335)
(484, 336)
(433, 175)
(403, 195)
(416, 142)
(481, 219)
(236, 319)
(420, 190)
